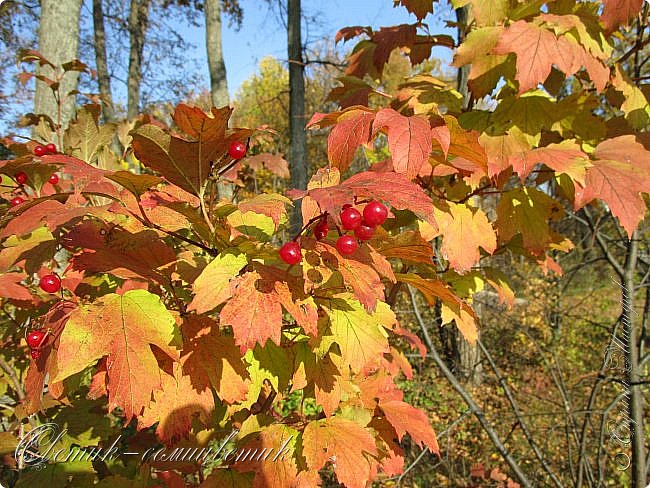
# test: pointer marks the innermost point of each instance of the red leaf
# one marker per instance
(409, 140)
(561, 158)
(412, 339)
(348, 33)
(389, 38)
(254, 311)
(409, 246)
(199, 125)
(618, 12)
(351, 130)
(122, 253)
(393, 188)
(357, 271)
(10, 287)
(420, 8)
(275, 163)
(353, 92)
(618, 176)
(54, 321)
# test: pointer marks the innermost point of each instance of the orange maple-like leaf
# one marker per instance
(538, 49)
(407, 419)
(176, 405)
(346, 445)
(619, 175)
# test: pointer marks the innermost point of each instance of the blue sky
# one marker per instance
(262, 34)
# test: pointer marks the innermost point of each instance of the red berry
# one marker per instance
(290, 253)
(17, 201)
(21, 178)
(35, 338)
(375, 213)
(237, 150)
(36, 353)
(40, 150)
(54, 179)
(347, 205)
(346, 245)
(350, 218)
(50, 148)
(321, 229)
(364, 232)
(50, 283)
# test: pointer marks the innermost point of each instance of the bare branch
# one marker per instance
(468, 399)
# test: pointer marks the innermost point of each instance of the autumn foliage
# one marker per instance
(176, 313)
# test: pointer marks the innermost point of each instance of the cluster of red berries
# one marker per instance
(363, 226)
(21, 177)
(40, 150)
(35, 340)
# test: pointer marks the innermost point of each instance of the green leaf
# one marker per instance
(271, 363)
(361, 336)
(85, 137)
(212, 288)
(136, 184)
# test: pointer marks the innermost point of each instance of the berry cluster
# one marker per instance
(21, 177)
(363, 226)
(40, 150)
(35, 340)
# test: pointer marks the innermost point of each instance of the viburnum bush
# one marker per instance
(148, 302)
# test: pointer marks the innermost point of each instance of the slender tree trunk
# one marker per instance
(217, 67)
(103, 77)
(635, 397)
(462, 76)
(298, 159)
(470, 368)
(58, 41)
(138, 22)
(214, 49)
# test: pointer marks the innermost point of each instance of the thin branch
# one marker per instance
(13, 377)
(520, 420)
(618, 267)
(467, 398)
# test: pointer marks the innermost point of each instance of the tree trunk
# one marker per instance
(138, 21)
(217, 67)
(634, 376)
(298, 153)
(214, 49)
(103, 77)
(462, 76)
(58, 41)
(470, 368)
